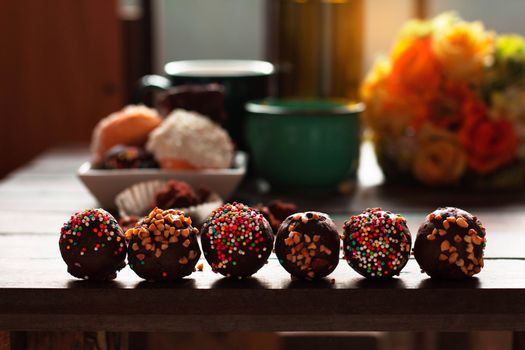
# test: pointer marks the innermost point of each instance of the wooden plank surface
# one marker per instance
(36, 293)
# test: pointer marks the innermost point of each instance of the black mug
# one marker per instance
(243, 80)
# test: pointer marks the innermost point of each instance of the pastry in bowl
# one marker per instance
(188, 140)
(129, 126)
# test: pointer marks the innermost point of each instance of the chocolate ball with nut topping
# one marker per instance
(163, 246)
(450, 244)
(307, 245)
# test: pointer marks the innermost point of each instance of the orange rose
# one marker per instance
(446, 108)
(386, 112)
(488, 143)
(415, 68)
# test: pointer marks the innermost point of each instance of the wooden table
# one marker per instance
(36, 293)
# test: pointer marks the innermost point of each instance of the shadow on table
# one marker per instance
(364, 283)
(86, 284)
(321, 283)
(430, 283)
(232, 283)
(184, 283)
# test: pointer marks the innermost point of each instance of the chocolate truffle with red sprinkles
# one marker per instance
(236, 240)
(93, 246)
(307, 245)
(450, 244)
(376, 243)
(163, 246)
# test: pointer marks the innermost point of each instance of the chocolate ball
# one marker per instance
(163, 246)
(450, 244)
(128, 157)
(93, 246)
(236, 240)
(176, 194)
(276, 211)
(307, 245)
(376, 243)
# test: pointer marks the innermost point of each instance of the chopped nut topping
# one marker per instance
(461, 222)
(160, 228)
(192, 254)
(477, 240)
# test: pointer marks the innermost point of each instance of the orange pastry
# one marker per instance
(130, 126)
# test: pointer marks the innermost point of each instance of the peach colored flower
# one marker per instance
(463, 49)
(440, 159)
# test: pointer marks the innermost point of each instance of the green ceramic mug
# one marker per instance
(304, 143)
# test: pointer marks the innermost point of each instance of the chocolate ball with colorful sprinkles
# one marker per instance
(236, 240)
(450, 244)
(376, 243)
(93, 246)
(163, 246)
(307, 245)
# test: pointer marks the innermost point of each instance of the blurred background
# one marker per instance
(74, 62)
(67, 64)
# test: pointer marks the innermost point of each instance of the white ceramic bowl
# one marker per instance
(106, 184)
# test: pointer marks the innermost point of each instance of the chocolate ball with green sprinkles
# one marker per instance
(450, 244)
(92, 245)
(376, 243)
(307, 245)
(163, 246)
(236, 240)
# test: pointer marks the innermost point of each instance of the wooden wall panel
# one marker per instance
(60, 72)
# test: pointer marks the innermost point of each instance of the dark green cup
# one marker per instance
(304, 143)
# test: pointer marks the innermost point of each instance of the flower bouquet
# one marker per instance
(447, 107)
